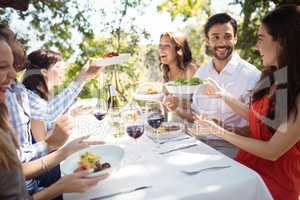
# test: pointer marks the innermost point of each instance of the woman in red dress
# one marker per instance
(272, 147)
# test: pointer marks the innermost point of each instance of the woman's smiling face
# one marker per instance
(167, 51)
(267, 47)
(7, 72)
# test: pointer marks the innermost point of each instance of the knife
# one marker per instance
(179, 148)
(174, 140)
(122, 192)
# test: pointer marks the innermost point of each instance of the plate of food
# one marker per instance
(110, 59)
(148, 92)
(185, 86)
(169, 130)
(98, 159)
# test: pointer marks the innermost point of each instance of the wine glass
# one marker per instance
(155, 117)
(100, 109)
(134, 124)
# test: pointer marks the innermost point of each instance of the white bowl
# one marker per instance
(183, 89)
(114, 60)
(109, 153)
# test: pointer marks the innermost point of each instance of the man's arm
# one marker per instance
(49, 111)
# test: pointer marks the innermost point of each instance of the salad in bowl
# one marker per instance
(185, 86)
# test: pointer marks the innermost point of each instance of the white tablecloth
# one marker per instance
(163, 173)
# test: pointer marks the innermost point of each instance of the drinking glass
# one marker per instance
(100, 109)
(134, 123)
(155, 117)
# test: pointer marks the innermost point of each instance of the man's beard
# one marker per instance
(228, 53)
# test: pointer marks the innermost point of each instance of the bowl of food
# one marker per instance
(185, 86)
(148, 92)
(110, 59)
(100, 159)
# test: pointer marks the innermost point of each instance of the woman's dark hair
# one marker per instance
(33, 78)
(283, 24)
(183, 53)
(221, 18)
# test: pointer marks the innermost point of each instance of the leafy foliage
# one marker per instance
(253, 11)
(184, 8)
(59, 23)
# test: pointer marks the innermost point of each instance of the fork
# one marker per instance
(191, 173)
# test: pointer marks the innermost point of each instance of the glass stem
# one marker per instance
(137, 149)
(157, 137)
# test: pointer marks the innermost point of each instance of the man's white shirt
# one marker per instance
(238, 78)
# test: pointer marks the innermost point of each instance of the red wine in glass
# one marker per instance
(135, 131)
(155, 120)
(99, 115)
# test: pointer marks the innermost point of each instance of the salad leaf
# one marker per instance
(191, 81)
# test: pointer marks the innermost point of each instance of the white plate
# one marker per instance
(115, 60)
(148, 97)
(109, 153)
(184, 89)
(169, 134)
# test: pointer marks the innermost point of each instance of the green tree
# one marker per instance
(54, 23)
(184, 8)
(252, 12)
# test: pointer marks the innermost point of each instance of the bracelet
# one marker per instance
(44, 165)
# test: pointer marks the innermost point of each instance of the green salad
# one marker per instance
(191, 81)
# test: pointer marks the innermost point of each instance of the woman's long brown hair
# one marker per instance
(8, 142)
(183, 54)
(283, 24)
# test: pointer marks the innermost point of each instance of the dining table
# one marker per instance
(157, 169)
